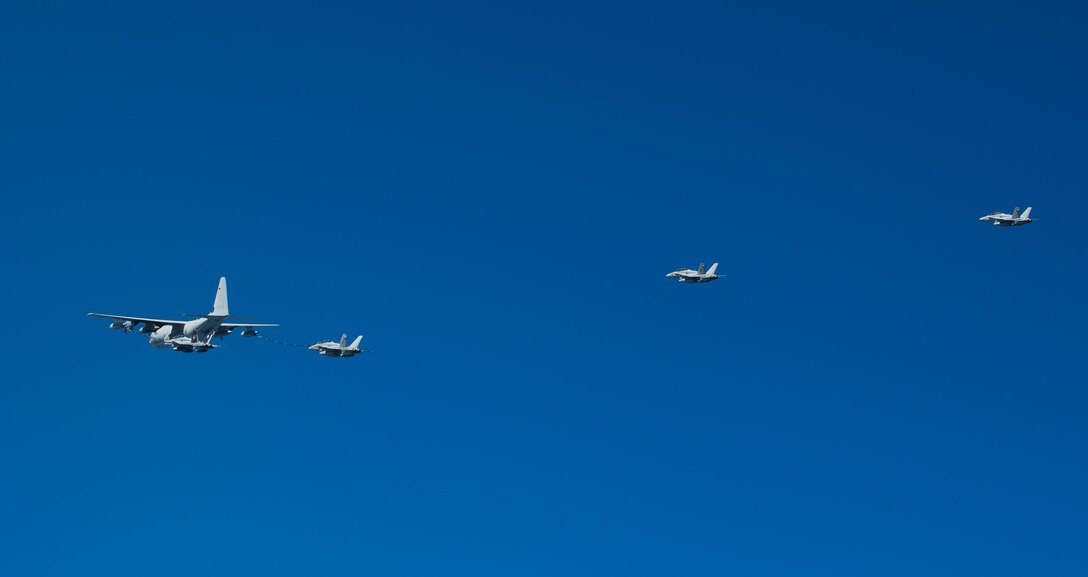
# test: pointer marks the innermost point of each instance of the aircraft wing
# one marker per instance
(164, 322)
(236, 325)
(156, 322)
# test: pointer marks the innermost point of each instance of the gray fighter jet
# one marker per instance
(1004, 219)
(341, 349)
(701, 275)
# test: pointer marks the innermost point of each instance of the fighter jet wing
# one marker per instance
(156, 322)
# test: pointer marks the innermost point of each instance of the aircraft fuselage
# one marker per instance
(196, 330)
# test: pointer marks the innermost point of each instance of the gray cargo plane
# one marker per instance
(192, 336)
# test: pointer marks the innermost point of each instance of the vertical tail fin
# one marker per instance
(702, 268)
(1016, 212)
(219, 309)
(712, 269)
(1026, 213)
(355, 343)
(344, 340)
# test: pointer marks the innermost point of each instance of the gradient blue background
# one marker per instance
(492, 193)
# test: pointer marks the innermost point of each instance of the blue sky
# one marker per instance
(492, 194)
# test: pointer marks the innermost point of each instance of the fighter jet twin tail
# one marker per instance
(195, 336)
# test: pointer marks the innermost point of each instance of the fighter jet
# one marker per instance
(191, 345)
(1014, 219)
(341, 349)
(701, 275)
(192, 336)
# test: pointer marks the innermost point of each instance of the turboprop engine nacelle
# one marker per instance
(223, 331)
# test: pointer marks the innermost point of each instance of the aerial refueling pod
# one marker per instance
(249, 332)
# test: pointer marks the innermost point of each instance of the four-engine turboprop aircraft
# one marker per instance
(701, 275)
(1005, 219)
(343, 349)
(187, 336)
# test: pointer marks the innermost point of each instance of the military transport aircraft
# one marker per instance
(701, 275)
(1004, 219)
(187, 336)
(343, 349)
